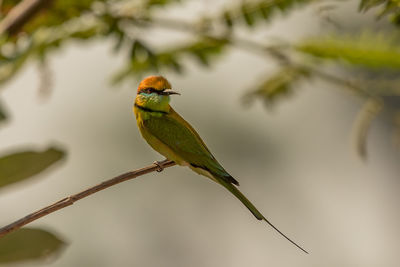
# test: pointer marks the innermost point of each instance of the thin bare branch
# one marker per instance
(21, 14)
(65, 202)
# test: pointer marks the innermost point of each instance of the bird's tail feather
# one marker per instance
(234, 190)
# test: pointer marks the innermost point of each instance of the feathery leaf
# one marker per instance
(367, 50)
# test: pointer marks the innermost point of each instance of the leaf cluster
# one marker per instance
(252, 12)
(67, 20)
(389, 8)
(144, 60)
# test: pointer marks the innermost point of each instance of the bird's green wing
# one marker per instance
(172, 130)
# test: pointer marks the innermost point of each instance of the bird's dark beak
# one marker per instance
(170, 92)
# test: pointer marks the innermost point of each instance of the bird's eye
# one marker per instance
(150, 90)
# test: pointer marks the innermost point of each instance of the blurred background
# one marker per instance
(296, 99)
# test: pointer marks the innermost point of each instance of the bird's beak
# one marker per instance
(170, 92)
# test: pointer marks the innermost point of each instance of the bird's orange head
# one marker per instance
(155, 84)
(154, 94)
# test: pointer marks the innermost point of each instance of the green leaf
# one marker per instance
(278, 85)
(389, 8)
(227, 18)
(3, 114)
(19, 166)
(265, 11)
(151, 3)
(368, 50)
(29, 244)
(204, 49)
(248, 14)
(365, 5)
(369, 111)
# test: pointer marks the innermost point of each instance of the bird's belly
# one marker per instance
(161, 148)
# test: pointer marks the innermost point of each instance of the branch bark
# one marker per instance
(21, 14)
(65, 202)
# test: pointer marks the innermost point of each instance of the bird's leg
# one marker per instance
(160, 164)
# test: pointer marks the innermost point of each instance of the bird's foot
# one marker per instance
(160, 164)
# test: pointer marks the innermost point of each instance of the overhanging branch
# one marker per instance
(21, 14)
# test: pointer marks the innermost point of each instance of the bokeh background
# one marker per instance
(295, 161)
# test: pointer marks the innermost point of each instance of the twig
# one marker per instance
(21, 14)
(73, 198)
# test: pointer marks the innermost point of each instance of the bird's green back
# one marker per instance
(173, 131)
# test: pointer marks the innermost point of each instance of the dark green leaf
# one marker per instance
(365, 5)
(362, 124)
(151, 3)
(396, 19)
(29, 244)
(265, 11)
(19, 166)
(228, 19)
(248, 14)
(278, 85)
(3, 114)
(119, 40)
(252, 12)
(387, 7)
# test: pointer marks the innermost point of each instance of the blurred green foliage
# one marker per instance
(389, 8)
(252, 12)
(83, 20)
(56, 13)
(367, 50)
(144, 60)
(29, 244)
(19, 166)
(280, 84)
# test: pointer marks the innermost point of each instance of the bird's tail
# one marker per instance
(234, 190)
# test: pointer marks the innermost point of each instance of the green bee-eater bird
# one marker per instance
(174, 138)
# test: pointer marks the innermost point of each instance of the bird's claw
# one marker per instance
(159, 165)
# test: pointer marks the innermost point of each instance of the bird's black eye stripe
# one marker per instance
(148, 90)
